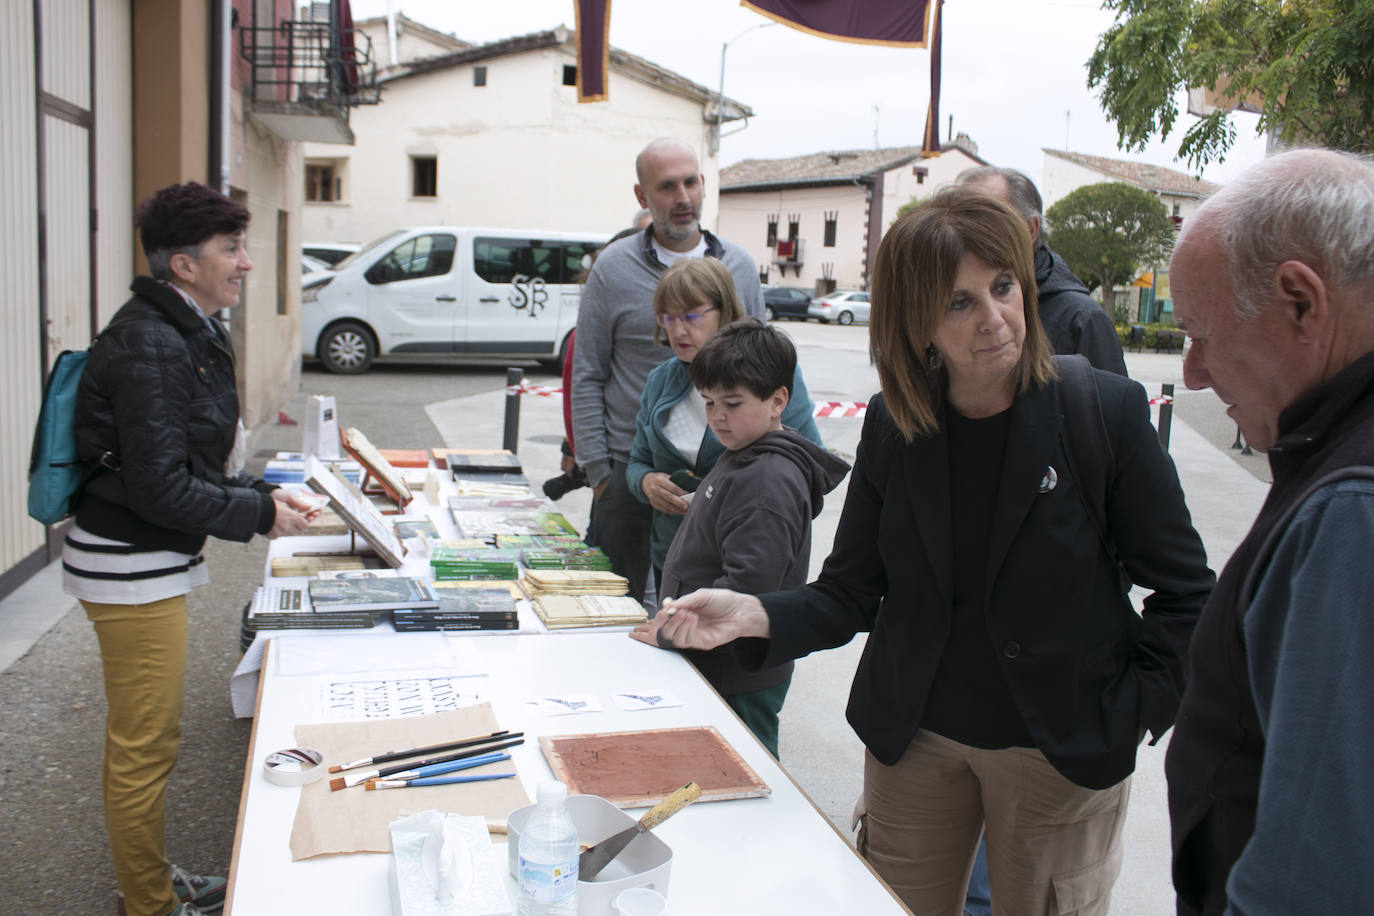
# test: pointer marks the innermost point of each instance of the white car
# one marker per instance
(447, 291)
(843, 307)
(330, 253)
(311, 265)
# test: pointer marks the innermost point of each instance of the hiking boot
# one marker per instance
(201, 893)
(205, 893)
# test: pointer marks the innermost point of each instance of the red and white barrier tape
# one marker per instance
(1163, 399)
(840, 409)
(543, 391)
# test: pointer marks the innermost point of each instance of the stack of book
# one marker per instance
(310, 566)
(564, 611)
(275, 608)
(289, 467)
(474, 563)
(540, 582)
(463, 609)
(568, 556)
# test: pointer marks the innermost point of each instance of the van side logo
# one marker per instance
(528, 293)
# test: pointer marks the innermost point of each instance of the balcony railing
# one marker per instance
(309, 70)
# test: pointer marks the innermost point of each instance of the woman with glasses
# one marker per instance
(673, 447)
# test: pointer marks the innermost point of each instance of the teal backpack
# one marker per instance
(55, 473)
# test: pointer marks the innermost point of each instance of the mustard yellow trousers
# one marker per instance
(143, 650)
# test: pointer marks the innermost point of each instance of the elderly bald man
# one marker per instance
(1269, 790)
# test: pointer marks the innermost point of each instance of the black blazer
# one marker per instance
(1087, 672)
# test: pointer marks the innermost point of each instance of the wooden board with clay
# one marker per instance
(639, 768)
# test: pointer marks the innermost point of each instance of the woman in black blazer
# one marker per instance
(1007, 679)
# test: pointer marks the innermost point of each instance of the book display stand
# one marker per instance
(357, 511)
(376, 468)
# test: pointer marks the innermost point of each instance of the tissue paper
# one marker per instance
(441, 865)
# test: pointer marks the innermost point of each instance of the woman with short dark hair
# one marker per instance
(1007, 679)
(157, 425)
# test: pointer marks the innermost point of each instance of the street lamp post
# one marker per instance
(720, 97)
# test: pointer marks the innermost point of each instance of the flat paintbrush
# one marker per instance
(433, 781)
(353, 779)
(417, 751)
(439, 769)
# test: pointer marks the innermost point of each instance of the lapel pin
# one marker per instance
(1049, 481)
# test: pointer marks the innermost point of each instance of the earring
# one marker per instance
(934, 358)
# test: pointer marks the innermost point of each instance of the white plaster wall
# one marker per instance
(266, 341)
(744, 220)
(1063, 177)
(410, 44)
(519, 152)
(900, 185)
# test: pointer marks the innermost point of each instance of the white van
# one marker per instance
(447, 291)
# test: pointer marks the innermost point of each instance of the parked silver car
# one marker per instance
(842, 306)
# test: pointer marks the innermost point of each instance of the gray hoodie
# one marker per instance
(748, 528)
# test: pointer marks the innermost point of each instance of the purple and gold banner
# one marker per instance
(593, 50)
(901, 23)
(930, 144)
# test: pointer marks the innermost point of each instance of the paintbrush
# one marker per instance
(433, 781)
(439, 769)
(417, 751)
(353, 779)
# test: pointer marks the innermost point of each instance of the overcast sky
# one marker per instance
(1014, 75)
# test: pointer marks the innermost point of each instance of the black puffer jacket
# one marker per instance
(159, 393)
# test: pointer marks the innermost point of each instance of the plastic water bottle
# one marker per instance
(547, 870)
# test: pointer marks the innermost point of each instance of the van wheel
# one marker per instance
(772, 315)
(347, 348)
(846, 318)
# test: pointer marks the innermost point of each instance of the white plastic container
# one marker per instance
(646, 862)
(546, 867)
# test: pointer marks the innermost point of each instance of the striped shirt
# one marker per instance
(107, 571)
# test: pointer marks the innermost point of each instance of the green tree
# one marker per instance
(1310, 63)
(1105, 232)
(910, 205)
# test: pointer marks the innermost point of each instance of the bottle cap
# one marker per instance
(551, 792)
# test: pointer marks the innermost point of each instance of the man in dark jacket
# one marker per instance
(1074, 322)
(1269, 796)
(157, 422)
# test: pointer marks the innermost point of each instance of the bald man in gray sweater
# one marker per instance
(615, 341)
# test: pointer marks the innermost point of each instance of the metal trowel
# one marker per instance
(590, 863)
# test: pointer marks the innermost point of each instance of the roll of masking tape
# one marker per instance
(295, 766)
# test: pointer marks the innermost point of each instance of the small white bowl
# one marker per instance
(646, 862)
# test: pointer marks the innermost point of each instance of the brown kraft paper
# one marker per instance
(355, 820)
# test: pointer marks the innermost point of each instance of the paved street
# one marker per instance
(52, 849)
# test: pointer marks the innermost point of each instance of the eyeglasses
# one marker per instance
(691, 319)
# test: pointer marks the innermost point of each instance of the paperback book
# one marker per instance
(474, 563)
(464, 609)
(275, 608)
(564, 611)
(539, 582)
(369, 594)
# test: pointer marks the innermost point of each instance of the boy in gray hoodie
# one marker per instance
(748, 527)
